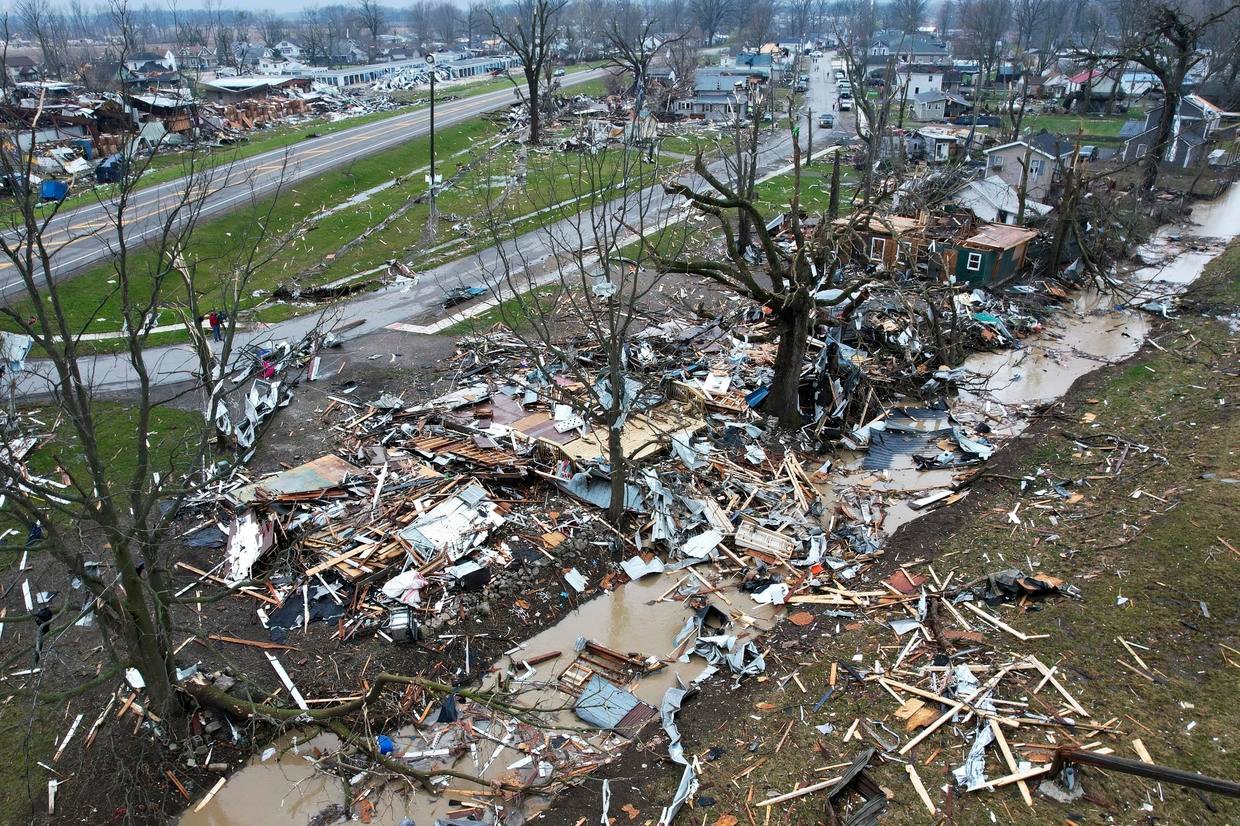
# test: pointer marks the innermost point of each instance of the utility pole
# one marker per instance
(430, 61)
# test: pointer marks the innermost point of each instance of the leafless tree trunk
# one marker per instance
(100, 513)
(588, 298)
(529, 27)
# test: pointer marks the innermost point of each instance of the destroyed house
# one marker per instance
(947, 245)
(993, 254)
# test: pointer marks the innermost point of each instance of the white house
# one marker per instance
(915, 79)
(993, 200)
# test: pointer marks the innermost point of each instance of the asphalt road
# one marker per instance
(414, 307)
(85, 236)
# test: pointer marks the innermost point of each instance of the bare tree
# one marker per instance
(855, 33)
(42, 22)
(784, 282)
(757, 21)
(315, 38)
(984, 23)
(909, 14)
(88, 510)
(1167, 45)
(579, 311)
(446, 20)
(634, 40)
(272, 28)
(373, 17)
(710, 16)
(946, 16)
(420, 22)
(528, 28)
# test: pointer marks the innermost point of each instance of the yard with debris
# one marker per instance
(1125, 489)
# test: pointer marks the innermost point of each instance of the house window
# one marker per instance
(1035, 167)
(974, 262)
(996, 162)
(1141, 150)
(878, 249)
(930, 78)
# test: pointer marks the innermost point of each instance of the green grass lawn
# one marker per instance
(482, 200)
(170, 165)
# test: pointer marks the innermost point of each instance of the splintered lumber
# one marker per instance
(1011, 762)
(955, 707)
(278, 667)
(1018, 777)
(1003, 626)
(1050, 676)
(915, 779)
(63, 743)
(810, 789)
(274, 646)
(202, 804)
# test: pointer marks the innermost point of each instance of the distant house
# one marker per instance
(1046, 153)
(938, 105)
(1191, 129)
(717, 94)
(21, 68)
(248, 55)
(992, 199)
(138, 61)
(908, 47)
(918, 78)
(291, 48)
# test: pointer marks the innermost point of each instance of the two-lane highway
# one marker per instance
(84, 236)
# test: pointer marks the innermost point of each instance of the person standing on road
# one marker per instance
(214, 320)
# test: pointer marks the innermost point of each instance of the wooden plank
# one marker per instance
(915, 779)
(1011, 761)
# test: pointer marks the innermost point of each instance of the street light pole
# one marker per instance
(430, 61)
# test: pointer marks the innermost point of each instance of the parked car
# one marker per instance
(846, 104)
(845, 95)
(558, 72)
(982, 120)
(826, 120)
(459, 295)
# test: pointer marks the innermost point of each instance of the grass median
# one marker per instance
(341, 206)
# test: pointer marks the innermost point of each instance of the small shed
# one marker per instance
(994, 253)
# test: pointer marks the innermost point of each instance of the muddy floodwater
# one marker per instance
(1091, 332)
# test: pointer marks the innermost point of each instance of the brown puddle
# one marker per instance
(287, 789)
